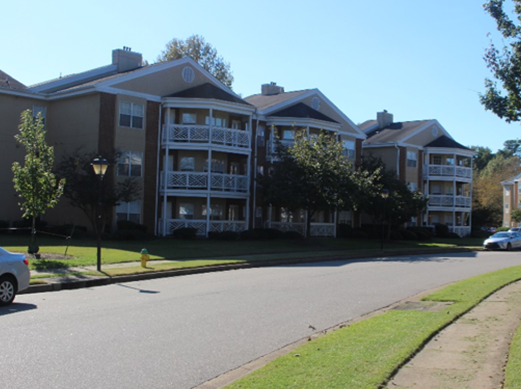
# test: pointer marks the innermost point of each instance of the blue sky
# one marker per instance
(418, 59)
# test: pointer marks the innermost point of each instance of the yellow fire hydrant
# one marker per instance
(144, 257)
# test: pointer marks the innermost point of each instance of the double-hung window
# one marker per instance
(349, 149)
(40, 110)
(130, 164)
(129, 211)
(131, 114)
(412, 158)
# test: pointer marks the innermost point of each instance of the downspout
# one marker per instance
(397, 159)
(157, 170)
(254, 183)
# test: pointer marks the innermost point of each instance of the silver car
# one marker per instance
(504, 240)
(14, 275)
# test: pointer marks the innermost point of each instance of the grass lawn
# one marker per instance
(512, 376)
(82, 252)
(364, 355)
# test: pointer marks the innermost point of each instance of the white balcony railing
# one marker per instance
(201, 225)
(448, 171)
(199, 180)
(317, 229)
(177, 133)
(450, 201)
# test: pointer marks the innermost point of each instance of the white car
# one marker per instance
(515, 229)
(14, 275)
(504, 240)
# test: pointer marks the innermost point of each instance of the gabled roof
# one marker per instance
(394, 132)
(209, 91)
(6, 81)
(263, 102)
(446, 142)
(301, 110)
(511, 181)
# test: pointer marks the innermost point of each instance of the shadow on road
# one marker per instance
(139, 290)
(16, 307)
(444, 257)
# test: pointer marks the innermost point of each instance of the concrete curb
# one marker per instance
(58, 284)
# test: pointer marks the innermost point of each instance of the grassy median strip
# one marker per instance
(512, 376)
(365, 354)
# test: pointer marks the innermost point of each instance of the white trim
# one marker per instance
(359, 134)
(426, 126)
(203, 103)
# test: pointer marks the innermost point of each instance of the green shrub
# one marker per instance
(409, 235)
(395, 235)
(128, 235)
(269, 233)
(423, 233)
(480, 234)
(357, 233)
(344, 230)
(129, 226)
(185, 233)
(499, 229)
(228, 235)
(292, 235)
(441, 230)
(452, 235)
(251, 235)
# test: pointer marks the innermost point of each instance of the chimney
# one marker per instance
(384, 119)
(126, 59)
(271, 89)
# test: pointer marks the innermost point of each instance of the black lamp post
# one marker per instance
(99, 165)
(385, 195)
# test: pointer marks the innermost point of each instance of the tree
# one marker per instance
(515, 215)
(34, 181)
(487, 189)
(200, 51)
(401, 204)
(82, 188)
(313, 175)
(505, 65)
(481, 158)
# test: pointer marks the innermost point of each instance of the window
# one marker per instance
(344, 217)
(506, 206)
(39, 109)
(130, 164)
(187, 164)
(412, 158)
(436, 189)
(236, 124)
(233, 212)
(436, 160)
(131, 114)
(129, 211)
(217, 166)
(349, 149)
(413, 187)
(507, 191)
(216, 121)
(287, 134)
(260, 136)
(235, 168)
(450, 161)
(189, 118)
(216, 211)
(186, 211)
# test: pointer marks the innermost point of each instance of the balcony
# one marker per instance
(272, 145)
(447, 171)
(450, 201)
(201, 226)
(199, 180)
(205, 135)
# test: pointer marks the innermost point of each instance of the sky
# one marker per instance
(418, 59)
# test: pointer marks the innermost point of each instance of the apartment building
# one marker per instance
(427, 158)
(511, 199)
(193, 144)
(278, 116)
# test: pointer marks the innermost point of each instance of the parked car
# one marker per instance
(14, 275)
(515, 229)
(504, 240)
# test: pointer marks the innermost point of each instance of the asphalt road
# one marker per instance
(182, 331)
